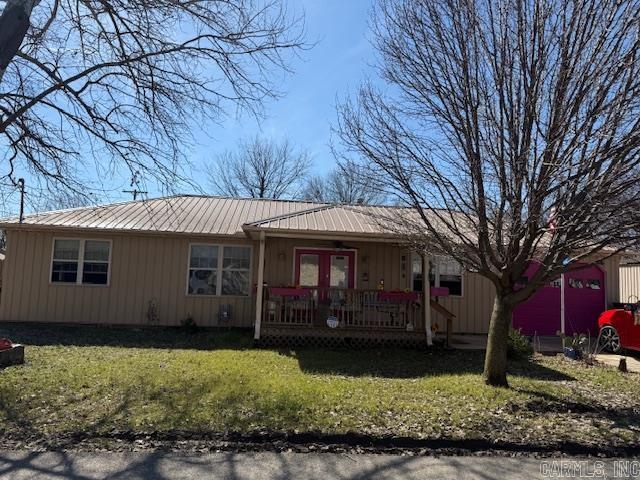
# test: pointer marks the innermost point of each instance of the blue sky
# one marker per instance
(333, 68)
(337, 63)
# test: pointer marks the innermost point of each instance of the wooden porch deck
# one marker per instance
(349, 317)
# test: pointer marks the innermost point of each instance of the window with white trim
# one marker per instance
(449, 274)
(443, 272)
(95, 268)
(219, 270)
(236, 263)
(80, 261)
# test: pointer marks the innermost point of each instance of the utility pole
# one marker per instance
(21, 187)
(135, 191)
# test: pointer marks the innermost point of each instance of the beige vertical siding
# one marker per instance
(144, 268)
(611, 267)
(473, 308)
(154, 267)
(629, 283)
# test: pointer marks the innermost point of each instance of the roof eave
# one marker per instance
(120, 231)
(253, 231)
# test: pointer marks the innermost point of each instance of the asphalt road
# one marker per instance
(284, 466)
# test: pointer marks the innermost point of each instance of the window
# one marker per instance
(309, 270)
(95, 269)
(449, 274)
(219, 270)
(235, 270)
(416, 273)
(339, 274)
(203, 270)
(443, 272)
(594, 284)
(80, 261)
(64, 268)
(575, 283)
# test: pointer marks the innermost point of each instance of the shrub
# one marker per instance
(518, 345)
(189, 325)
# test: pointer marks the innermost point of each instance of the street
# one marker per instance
(284, 466)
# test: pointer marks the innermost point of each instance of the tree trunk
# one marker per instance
(495, 362)
(14, 23)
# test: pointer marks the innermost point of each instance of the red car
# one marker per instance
(620, 328)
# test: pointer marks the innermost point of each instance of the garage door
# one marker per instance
(584, 301)
(541, 313)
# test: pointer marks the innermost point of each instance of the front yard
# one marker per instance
(86, 382)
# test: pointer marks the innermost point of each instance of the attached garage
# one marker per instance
(570, 304)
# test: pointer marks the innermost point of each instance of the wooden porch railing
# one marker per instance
(351, 309)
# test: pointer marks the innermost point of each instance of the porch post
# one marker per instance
(426, 293)
(562, 313)
(260, 288)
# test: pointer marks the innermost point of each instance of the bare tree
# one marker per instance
(96, 87)
(316, 189)
(260, 169)
(347, 183)
(514, 135)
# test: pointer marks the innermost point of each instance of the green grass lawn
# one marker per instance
(85, 379)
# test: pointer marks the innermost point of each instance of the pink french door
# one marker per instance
(317, 268)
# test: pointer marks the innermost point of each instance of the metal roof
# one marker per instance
(207, 215)
(347, 219)
(179, 214)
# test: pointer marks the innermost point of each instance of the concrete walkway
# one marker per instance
(546, 344)
(285, 466)
(633, 364)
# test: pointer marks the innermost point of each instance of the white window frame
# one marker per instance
(436, 266)
(436, 271)
(219, 269)
(81, 261)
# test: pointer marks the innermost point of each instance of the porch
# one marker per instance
(332, 316)
(333, 292)
(343, 309)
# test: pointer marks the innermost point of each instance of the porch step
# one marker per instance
(339, 338)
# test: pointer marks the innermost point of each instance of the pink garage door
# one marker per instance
(541, 313)
(584, 301)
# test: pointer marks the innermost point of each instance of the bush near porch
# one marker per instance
(91, 381)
